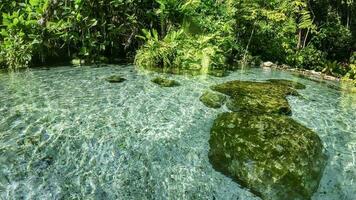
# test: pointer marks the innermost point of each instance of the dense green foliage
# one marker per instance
(185, 34)
(46, 30)
(201, 37)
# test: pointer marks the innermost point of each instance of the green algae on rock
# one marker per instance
(259, 97)
(165, 82)
(115, 79)
(288, 83)
(261, 148)
(272, 155)
(212, 99)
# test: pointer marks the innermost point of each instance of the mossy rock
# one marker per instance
(212, 99)
(115, 79)
(165, 82)
(272, 155)
(259, 97)
(218, 73)
(288, 83)
(260, 147)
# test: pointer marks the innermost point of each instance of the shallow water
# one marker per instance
(66, 133)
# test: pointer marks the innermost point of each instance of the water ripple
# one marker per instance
(68, 134)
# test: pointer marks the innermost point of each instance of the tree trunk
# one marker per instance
(300, 34)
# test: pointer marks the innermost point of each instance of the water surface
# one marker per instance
(66, 133)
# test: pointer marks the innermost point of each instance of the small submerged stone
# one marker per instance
(165, 82)
(115, 79)
(272, 155)
(259, 97)
(212, 99)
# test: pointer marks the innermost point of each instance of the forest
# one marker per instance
(318, 35)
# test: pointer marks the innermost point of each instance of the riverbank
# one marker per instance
(332, 81)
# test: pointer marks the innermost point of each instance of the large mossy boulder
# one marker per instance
(259, 97)
(165, 82)
(272, 155)
(212, 99)
(260, 147)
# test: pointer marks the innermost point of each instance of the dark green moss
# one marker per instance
(115, 79)
(212, 99)
(165, 82)
(259, 97)
(288, 83)
(260, 147)
(218, 73)
(273, 155)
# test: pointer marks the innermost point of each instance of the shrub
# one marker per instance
(307, 58)
(335, 69)
(181, 50)
(16, 51)
(204, 40)
(351, 74)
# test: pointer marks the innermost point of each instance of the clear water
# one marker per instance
(68, 134)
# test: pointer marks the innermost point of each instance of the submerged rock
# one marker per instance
(260, 147)
(212, 99)
(217, 73)
(272, 155)
(165, 82)
(115, 79)
(288, 83)
(259, 97)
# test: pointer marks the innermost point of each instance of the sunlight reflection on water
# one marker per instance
(67, 133)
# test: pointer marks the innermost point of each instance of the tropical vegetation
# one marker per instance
(185, 34)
